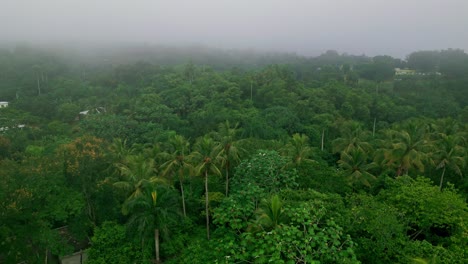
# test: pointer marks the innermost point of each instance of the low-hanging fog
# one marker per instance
(307, 27)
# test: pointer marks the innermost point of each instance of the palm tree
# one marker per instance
(138, 173)
(177, 162)
(448, 126)
(356, 167)
(229, 152)
(449, 154)
(352, 138)
(270, 214)
(38, 72)
(120, 150)
(299, 150)
(208, 159)
(407, 150)
(153, 212)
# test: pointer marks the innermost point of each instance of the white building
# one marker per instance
(3, 104)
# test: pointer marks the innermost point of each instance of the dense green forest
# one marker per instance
(175, 155)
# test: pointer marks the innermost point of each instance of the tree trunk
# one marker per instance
(207, 207)
(143, 250)
(91, 214)
(251, 90)
(323, 138)
(399, 171)
(442, 179)
(183, 196)
(227, 180)
(156, 245)
(38, 85)
(373, 128)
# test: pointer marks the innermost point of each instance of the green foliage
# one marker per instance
(266, 170)
(299, 150)
(5, 147)
(343, 123)
(238, 209)
(302, 236)
(427, 253)
(405, 150)
(270, 213)
(67, 112)
(201, 250)
(148, 108)
(425, 61)
(153, 212)
(322, 177)
(328, 205)
(381, 69)
(296, 244)
(34, 201)
(110, 244)
(357, 168)
(436, 216)
(410, 219)
(377, 229)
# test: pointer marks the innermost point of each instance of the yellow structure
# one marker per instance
(399, 71)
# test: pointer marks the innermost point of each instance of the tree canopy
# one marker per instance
(234, 158)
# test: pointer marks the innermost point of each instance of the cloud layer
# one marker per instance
(307, 27)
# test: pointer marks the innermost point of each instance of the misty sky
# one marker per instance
(308, 27)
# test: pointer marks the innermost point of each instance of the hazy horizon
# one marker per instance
(371, 27)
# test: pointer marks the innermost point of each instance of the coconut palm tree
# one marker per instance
(352, 138)
(449, 155)
(356, 167)
(229, 151)
(120, 149)
(38, 72)
(408, 149)
(207, 157)
(271, 213)
(152, 213)
(119, 152)
(448, 126)
(137, 174)
(177, 162)
(299, 150)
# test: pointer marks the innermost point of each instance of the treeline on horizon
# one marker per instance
(208, 156)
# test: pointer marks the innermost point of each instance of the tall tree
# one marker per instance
(84, 165)
(120, 149)
(38, 71)
(352, 138)
(356, 167)
(177, 162)
(407, 149)
(299, 150)
(138, 173)
(425, 61)
(449, 155)
(207, 157)
(229, 151)
(155, 210)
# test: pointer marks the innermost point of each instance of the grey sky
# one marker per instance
(394, 27)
